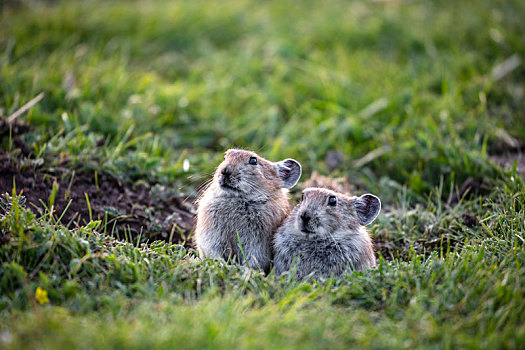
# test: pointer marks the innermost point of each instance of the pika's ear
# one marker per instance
(367, 208)
(289, 171)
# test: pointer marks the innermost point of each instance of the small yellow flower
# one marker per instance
(41, 296)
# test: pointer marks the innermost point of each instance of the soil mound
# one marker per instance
(152, 211)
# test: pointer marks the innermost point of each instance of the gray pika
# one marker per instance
(248, 197)
(325, 234)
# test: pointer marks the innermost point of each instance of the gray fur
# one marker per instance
(325, 240)
(244, 199)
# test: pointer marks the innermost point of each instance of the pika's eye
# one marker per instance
(252, 160)
(302, 197)
(332, 201)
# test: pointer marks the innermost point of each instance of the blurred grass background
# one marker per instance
(402, 90)
(405, 99)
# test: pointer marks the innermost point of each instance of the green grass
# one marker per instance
(407, 92)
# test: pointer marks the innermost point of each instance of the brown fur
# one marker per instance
(244, 202)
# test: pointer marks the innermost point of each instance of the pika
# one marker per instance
(325, 234)
(243, 206)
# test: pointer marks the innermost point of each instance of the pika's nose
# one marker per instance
(226, 171)
(305, 217)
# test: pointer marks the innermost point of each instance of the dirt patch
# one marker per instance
(152, 211)
(470, 187)
(11, 134)
(400, 249)
(506, 161)
(421, 232)
(507, 151)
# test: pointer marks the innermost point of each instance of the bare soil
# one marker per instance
(152, 211)
(506, 161)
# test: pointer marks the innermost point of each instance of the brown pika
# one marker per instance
(325, 234)
(243, 206)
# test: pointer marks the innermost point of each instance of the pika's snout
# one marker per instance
(305, 217)
(227, 177)
(226, 171)
(306, 222)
